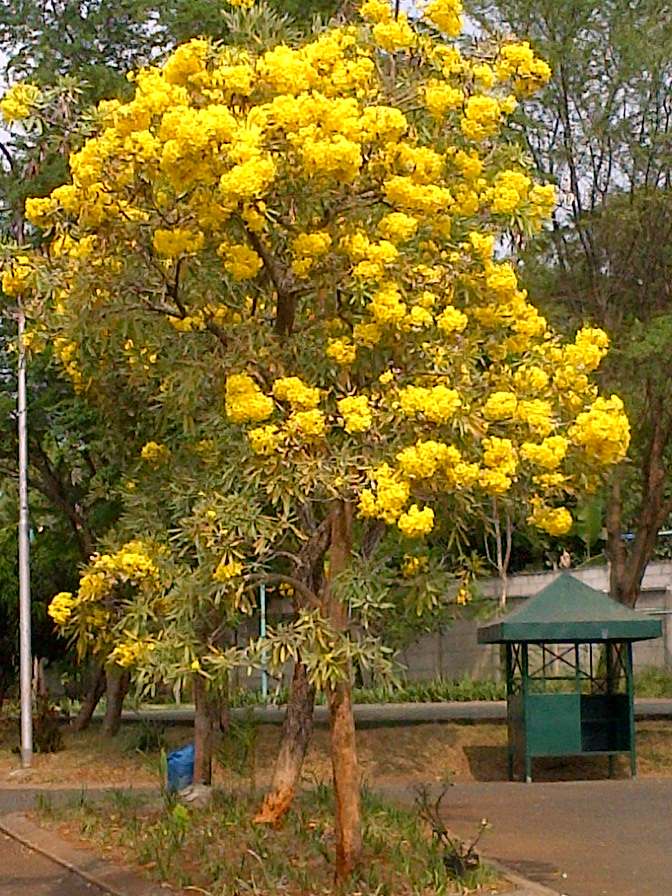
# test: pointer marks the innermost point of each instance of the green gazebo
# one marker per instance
(569, 681)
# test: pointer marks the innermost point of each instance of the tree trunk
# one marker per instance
(207, 708)
(346, 779)
(118, 681)
(92, 698)
(341, 718)
(296, 732)
(628, 563)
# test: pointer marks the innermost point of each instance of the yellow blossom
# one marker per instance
(416, 523)
(245, 402)
(356, 412)
(155, 453)
(293, 390)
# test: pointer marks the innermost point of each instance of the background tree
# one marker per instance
(601, 130)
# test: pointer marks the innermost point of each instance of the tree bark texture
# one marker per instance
(205, 720)
(296, 733)
(341, 717)
(92, 698)
(118, 681)
(629, 559)
(297, 728)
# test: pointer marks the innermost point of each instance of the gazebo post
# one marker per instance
(509, 692)
(610, 648)
(629, 676)
(526, 691)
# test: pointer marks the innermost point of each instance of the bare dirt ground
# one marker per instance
(391, 756)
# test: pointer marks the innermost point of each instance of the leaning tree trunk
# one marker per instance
(341, 717)
(296, 732)
(118, 681)
(628, 563)
(92, 698)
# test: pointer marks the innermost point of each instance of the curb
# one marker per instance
(524, 886)
(82, 861)
(372, 715)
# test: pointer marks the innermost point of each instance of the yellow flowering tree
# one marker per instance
(299, 252)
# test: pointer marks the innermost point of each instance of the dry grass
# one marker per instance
(388, 756)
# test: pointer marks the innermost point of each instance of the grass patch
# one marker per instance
(222, 852)
(653, 682)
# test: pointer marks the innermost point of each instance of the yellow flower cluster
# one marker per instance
(537, 413)
(590, 346)
(435, 403)
(155, 453)
(439, 97)
(293, 390)
(369, 258)
(413, 565)
(549, 454)
(131, 563)
(390, 496)
(604, 431)
(397, 227)
(61, 607)
(68, 355)
(500, 454)
(308, 425)
(502, 280)
(554, 520)
(416, 522)
(342, 351)
(264, 439)
(386, 307)
(421, 461)
(187, 60)
(452, 320)
(446, 15)
(240, 261)
(500, 406)
(171, 243)
(511, 190)
(376, 10)
(482, 117)
(16, 276)
(244, 400)
(356, 412)
(128, 653)
(395, 34)
(227, 569)
(20, 101)
(307, 248)
(519, 62)
(494, 482)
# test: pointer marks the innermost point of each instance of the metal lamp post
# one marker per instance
(25, 650)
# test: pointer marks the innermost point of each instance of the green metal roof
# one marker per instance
(569, 611)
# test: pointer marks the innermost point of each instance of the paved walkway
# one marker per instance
(579, 838)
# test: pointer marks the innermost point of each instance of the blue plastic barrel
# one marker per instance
(180, 768)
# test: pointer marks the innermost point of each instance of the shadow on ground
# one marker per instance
(489, 763)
